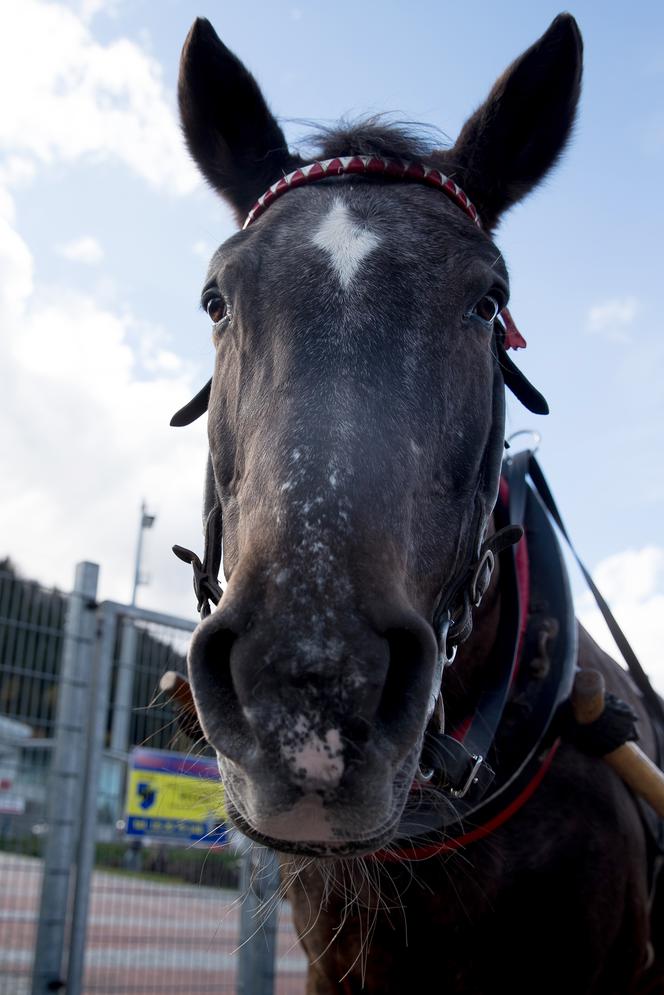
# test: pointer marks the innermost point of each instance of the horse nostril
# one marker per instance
(407, 688)
(212, 682)
(218, 649)
(404, 652)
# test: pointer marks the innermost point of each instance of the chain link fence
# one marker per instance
(83, 907)
(31, 642)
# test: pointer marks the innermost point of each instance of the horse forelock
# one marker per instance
(375, 135)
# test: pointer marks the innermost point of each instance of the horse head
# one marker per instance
(356, 420)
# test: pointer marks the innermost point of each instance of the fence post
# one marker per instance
(85, 854)
(124, 687)
(64, 797)
(259, 884)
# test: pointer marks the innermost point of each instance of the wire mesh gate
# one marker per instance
(82, 910)
(31, 645)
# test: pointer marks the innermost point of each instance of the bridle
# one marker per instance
(452, 617)
(507, 334)
(460, 760)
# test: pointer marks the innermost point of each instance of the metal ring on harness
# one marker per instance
(443, 629)
(531, 433)
(480, 583)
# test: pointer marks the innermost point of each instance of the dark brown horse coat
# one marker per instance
(555, 900)
(356, 423)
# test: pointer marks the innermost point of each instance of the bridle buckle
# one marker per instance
(461, 792)
(481, 577)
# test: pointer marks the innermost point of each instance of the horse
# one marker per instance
(373, 538)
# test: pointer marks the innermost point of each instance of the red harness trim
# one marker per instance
(446, 846)
(397, 169)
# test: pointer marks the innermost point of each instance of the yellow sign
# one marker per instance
(170, 794)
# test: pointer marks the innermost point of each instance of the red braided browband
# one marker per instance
(396, 169)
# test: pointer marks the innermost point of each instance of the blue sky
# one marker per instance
(106, 233)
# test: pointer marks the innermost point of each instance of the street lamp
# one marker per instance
(147, 521)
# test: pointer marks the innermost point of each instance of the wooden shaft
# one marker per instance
(640, 773)
(588, 696)
(179, 691)
(629, 761)
(178, 688)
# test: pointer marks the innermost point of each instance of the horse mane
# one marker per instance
(374, 135)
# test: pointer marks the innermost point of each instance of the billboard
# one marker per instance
(174, 796)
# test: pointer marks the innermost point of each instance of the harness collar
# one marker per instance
(489, 766)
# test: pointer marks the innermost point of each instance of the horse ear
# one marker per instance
(516, 136)
(233, 137)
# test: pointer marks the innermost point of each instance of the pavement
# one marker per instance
(144, 938)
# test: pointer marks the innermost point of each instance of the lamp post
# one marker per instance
(124, 682)
(147, 521)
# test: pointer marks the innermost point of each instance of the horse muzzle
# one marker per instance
(358, 816)
(317, 721)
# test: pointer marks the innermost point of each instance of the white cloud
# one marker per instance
(85, 249)
(613, 317)
(74, 98)
(204, 250)
(633, 584)
(85, 436)
(85, 433)
(89, 9)
(14, 171)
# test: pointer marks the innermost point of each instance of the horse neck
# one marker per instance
(475, 661)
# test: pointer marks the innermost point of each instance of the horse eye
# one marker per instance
(487, 308)
(216, 308)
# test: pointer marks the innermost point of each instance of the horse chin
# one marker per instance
(332, 848)
(312, 826)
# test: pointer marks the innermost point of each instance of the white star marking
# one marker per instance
(345, 242)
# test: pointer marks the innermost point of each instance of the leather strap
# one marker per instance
(206, 574)
(520, 386)
(193, 409)
(636, 671)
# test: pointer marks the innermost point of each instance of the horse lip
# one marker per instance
(350, 848)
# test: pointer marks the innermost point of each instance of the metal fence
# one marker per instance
(22, 828)
(31, 641)
(83, 909)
